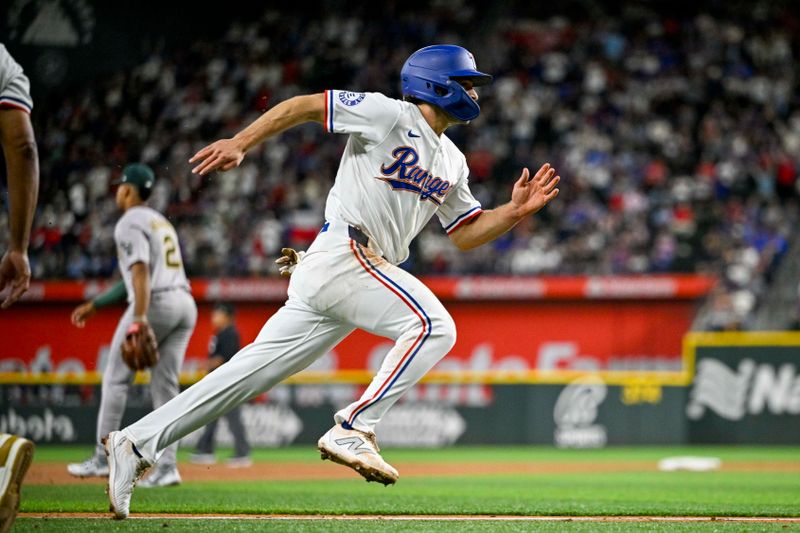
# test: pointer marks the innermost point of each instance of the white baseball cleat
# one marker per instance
(166, 476)
(125, 468)
(92, 467)
(242, 461)
(359, 451)
(203, 459)
(16, 455)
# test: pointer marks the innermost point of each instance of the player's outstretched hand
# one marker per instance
(223, 155)
(15, 273)
(82, 313)
(532, 194)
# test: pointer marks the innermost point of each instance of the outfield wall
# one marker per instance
(515, 325)
(746, 390)
(573, 362)
(585, 414)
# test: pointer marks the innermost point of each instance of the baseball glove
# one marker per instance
(140, 348)
(288, 261)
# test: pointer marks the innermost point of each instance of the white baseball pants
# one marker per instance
(339, 286)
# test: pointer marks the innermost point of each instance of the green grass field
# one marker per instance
(754, 481)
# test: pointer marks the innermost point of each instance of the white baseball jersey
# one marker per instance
(395, 172)
(14, 85)
(143, 234)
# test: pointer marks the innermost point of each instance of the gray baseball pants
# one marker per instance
(172, 315)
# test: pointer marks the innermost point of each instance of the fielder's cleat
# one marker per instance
(167, 476)
(93, 467)
(203, 459)
(125, 468)
(242, 461)
(16, 455)
(359, 451)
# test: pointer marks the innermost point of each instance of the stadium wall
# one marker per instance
(746, 388)
(508, 328)
(571, 362)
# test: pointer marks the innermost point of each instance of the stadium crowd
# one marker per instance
(677, 140)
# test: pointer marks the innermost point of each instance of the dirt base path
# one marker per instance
(432, 518)
(56, 473)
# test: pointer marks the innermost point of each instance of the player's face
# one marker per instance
(467, 85)
(218, 320)
(122, 192)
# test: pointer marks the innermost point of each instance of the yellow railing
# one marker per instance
(526, 377)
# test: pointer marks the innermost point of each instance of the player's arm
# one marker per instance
(22, 169)
(114, 294)
(528, 196)
(140, 279)
(226, 154)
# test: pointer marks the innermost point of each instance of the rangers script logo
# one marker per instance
(404, 174)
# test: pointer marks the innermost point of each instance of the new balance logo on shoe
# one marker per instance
(354, 444)
(358, 451)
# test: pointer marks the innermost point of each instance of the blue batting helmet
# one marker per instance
(431, 74)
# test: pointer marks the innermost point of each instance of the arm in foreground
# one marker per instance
(22, 169)
(226, 154)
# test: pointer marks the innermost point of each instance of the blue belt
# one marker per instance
(356, 234)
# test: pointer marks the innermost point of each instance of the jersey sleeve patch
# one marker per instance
(134, 243)
(351, 99)
(369, 117)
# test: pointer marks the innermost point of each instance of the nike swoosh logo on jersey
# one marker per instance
(412, 134)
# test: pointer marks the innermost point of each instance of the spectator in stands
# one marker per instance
(680, 136)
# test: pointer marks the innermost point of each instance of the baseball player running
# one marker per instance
(22, 176)
(397, 171)
(159, 300)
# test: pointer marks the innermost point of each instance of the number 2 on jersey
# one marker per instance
(171, 253)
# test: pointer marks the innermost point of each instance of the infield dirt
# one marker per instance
(56, 473)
